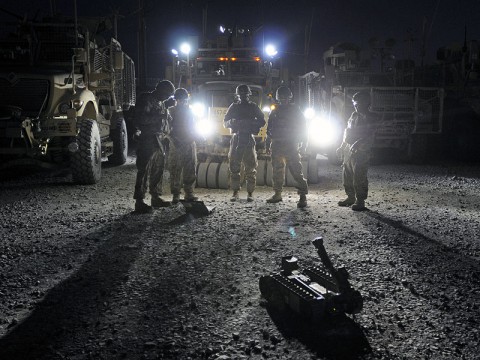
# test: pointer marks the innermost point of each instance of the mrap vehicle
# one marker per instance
(63, 90)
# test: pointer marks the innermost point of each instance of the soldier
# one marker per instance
(356, 147)
(182, 155)
(286, 139)
(151, 116)
(244, 119)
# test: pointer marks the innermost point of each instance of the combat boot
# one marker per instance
(250, 197)
(277, 197)
(175, 198)
(234, 196)
(302, 203)
(142, 208)
(347, 202)
(158, 202)
(359, 205)
(190, 197)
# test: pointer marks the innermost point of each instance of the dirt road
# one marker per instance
(82, 277)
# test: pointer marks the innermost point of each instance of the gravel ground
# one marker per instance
(83, 277)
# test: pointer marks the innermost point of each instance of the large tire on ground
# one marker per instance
(212, 175)
(86, 162)
(120, 143)
(223, 176)
(202, 175)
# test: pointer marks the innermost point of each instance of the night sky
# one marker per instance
(439, 22)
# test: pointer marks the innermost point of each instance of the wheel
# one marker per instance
(313, 170)
(86, 162)
(202, 175)
(223, 176)
(261, 172)
(269, 175)
(120, 143)
(212, 175)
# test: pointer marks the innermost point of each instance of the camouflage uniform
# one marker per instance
(245, 119)
(182, 152)
(286, 129)
(360, 130)
(151, 119)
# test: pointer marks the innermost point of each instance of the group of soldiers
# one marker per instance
(164, 119)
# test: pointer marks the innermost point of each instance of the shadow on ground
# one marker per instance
(80, 299)
(335, 338)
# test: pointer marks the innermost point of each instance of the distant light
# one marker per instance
(222, 29)
(270, 50)
(185, 48)
(174, 52)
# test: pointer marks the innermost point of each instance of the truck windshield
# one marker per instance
(38, 43)
(224, 98)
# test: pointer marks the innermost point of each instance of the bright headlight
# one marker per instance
(323, 131)
(266, 109)
(309, 113)
(198, 109)
(205, 127)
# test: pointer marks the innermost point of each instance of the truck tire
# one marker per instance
(86, 162)
(120, 143)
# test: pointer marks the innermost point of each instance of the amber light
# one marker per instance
(233, 59)
(256, 58)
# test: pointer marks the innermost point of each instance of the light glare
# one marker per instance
(185, 48)
(270, 50)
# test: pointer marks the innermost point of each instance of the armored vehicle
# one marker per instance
(63, 90)
(218, 67)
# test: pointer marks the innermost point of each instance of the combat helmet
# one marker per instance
(362, 98)
(165, 87)
(243, 90)
(180, 94)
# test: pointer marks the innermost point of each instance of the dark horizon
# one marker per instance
(411, 23)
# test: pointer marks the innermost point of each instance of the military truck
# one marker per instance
(411, 116)
(218, 67)
(63, 90)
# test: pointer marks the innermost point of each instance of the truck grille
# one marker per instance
(28, 94)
